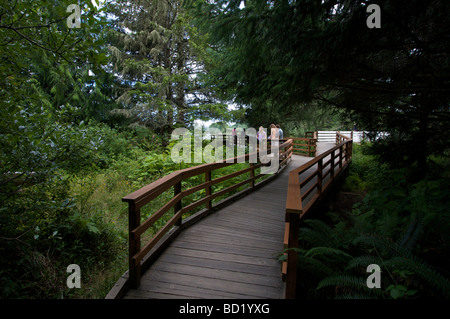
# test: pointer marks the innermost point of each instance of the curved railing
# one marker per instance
(304, 192)
(141, 257)
(304, 146)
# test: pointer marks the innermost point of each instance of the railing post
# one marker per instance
(178, 205)
(347, 151)
(319, 176)
(134, 220)
(315, 145)
(332, 165)
(341, 149)
(252, 175)
(350, 150)
(291, 275)
(208, 188)
(309, 147)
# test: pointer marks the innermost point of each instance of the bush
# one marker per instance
(353, 183)
(41, 244)
(45, 221)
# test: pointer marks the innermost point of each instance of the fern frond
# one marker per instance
(337, 254)
(354, 284)
(311, 266)
(319, 226)
(311, 237)
(384, 246)
(398, 257)
(343, 281)
(356, 295)
(420, 268)
(318, 234)
(363, 261)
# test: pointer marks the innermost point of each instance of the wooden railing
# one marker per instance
(140, 258)
(304, 146)
(311, 134)
(342, 138)
(303, 194)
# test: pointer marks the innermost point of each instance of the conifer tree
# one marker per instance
(158, 56)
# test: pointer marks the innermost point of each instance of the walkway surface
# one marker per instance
(231, 253)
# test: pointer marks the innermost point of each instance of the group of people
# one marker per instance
(276, 134)
(235, 137)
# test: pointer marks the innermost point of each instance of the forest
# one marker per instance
(91, 90)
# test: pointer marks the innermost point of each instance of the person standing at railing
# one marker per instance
(262, 138)
(234, 133)
(242, 138)
(273, 133)
(273, 138)
(280, 132)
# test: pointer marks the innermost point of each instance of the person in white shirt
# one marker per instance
(262, 137)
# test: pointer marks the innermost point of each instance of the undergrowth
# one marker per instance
(74, 214)
(399, 225)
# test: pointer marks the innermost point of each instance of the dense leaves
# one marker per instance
(161, 61)
(279, 55)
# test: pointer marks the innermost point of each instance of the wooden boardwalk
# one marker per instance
(231, 253)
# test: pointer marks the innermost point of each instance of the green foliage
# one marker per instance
(161, 66)
(52, 214)
(349, 282)
(67, 156)
(91, 95)
(42, 144)
(63, 173)
(399, 258)
(400, 225)
(322, 55)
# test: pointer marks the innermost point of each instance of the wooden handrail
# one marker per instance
(143, 196)
(321, 180)
(341, 138)
(304, 146)
(311, 134)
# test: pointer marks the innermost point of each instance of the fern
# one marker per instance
(329, 255)
(309, 237)
(313, 267)
(326, 251)
(327, 261)
(350, 284)
(363, 261)
(343, 281)
(393, 256)
(422, 270)
(383, 246)
(353, 296)
(318, 234)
